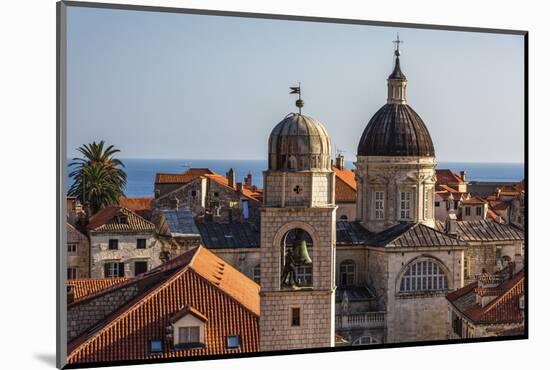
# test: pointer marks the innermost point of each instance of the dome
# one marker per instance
(396, 130)
(299, 143)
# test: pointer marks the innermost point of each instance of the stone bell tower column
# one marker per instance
(297, 300)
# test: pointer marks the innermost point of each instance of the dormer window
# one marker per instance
(123, 219)
(188, 326)
(233, 341)
(155, 346)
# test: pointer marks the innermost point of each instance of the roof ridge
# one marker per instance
(519, 277)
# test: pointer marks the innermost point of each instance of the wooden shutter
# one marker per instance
(121, 269)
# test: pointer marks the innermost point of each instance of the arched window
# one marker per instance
(364, 340)
(297, 271)
(424, 276)
(257, 274)
(343, 217)
(347, 273)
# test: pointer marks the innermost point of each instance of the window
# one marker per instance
(437, 204)
(257, 274)
(71, 273)
(343, 217)
(216, 194)
(233, 341)
(113, 269)
(468, 211)
(424, 276)
(305, 275)
(347, 273)
(498, 252)
(71, 248)
(478, 211)
(456, 204)
(140, 267)
(379, 205)
(123, 219)
(189, 334)
(405, 205)
(193, 193)
(426, 204)
(457, 324)
(141, 244)
(365, 340)
(113, 243)
(155, 346)
(295, 316)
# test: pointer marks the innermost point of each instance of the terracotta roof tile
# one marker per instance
(346, 186)
(85, 287)
(447, 177)
(226, 298)
(474, 200)
(504, 308)
(109, 219)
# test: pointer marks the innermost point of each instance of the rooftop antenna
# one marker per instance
(299, 102)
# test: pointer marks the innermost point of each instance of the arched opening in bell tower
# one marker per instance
(296, 261)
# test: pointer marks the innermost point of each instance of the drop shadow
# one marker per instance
(46, 358)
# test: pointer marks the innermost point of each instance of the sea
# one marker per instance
(141, 172)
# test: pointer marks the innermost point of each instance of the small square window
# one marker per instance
(71, 248)
(71, 273)
(295, 319)
(155, 346)
(233, 341)
(113, 243)
(437, 204)
(141, 244)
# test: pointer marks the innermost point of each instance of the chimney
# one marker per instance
(230, 178)
(498, 192)
(451, 223)
(248, 180)
(340, 161)
(463, 175)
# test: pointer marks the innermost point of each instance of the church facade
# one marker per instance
(387, 277)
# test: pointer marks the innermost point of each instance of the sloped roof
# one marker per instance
(447, 176)
(178, 222)
(346, 186)
(474, 200)
(503, 309)
(221, 235)
(106, 220)
(412, 235)
(182, 178)
(143, 206)
(86, 287)
(351, 233)
(198, 278)
(485, 230)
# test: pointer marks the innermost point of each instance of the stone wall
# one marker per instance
(191, 196)
(348, 210)
(317, 320)
(481, 256)
(81, 258)
(127, 252)
(83, 316)
(243, 259)
(420, 316)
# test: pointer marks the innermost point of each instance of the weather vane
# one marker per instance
(299, 102)
(397, 42)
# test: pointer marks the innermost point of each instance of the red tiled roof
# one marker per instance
(86, 287)
(504, 308)
(182, 178)
(142, 206)
(106, 221)
(446, 177)
(444, 187)
(474, 200)
(229, 301)
(346, 185)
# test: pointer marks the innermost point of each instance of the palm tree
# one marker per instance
(98, 178)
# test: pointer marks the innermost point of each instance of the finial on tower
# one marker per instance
(397, 42)
(298, 90)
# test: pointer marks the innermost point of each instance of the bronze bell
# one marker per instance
(300, 254)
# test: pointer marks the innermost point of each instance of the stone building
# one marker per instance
(493, 305)
(298, 238)
(194, 305)
(78, 254)
(208, 195)
(122, 243)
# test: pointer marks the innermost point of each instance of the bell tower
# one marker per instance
(298, 228)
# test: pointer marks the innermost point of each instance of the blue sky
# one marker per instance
(161, 85)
